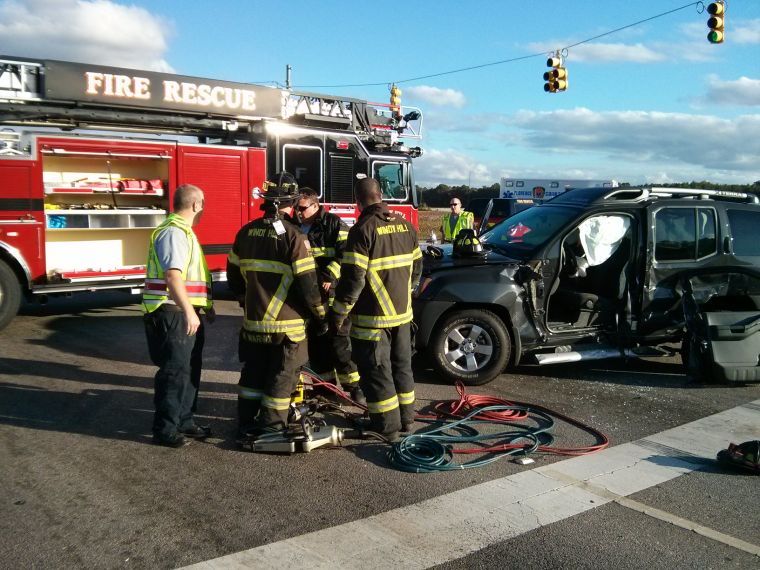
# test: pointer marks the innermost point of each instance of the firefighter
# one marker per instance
(272, 272)
(455, 221)
(329, 355)
(381, 264)
(177, 288)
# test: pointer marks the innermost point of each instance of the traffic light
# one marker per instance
(717, 21)
(396, 100)
(556, 78)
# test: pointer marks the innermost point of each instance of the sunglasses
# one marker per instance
(455, 204)
(303, 208)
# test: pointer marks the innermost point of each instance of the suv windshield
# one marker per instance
(521, 234)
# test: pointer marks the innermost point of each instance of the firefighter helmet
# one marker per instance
(281, 187)
(467, 244)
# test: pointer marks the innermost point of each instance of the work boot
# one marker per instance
(175, 441)
(358, 397)
(196, 432)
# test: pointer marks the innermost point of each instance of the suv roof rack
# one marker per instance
(653, 192)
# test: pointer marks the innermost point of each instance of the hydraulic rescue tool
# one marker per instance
(306, 432)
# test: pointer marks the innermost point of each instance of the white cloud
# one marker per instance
(436, 96)
(89, 31)
(745, 32)
(451, 167)
(723, 147)
(617, 52)
(743, 91)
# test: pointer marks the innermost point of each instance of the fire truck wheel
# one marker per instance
(472, 346)
(10, 295)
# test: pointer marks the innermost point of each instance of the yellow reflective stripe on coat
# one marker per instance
(406, 398)
(334, 268)
(392, 261)
(274, 327)
(273, 403)
(323, 251)
(356, 259)
(340, 308)
(371, 321)
(359, 333)
(265, 266)
(417, 254)
(350, 378)
(249, 393)
(233, 258)
(278, 299)
(381, 294)
(342, 235)
(383, 406)
(255, 337)
(304, 265)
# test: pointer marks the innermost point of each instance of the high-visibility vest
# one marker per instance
(196, 275)
(464, 221)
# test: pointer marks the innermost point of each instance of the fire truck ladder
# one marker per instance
(20, 80)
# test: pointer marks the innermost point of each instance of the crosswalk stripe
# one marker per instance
(457, 524)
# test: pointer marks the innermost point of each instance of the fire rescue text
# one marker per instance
(200, 94)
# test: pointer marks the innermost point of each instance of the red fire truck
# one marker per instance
(90, 157)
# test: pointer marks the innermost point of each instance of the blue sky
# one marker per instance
(652, 103)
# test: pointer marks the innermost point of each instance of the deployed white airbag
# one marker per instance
(600, 236)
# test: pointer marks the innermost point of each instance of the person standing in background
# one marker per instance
(455, 220)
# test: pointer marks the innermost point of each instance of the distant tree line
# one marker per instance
(439, 196)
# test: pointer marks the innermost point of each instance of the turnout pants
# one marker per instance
(267, 381)
(385, 368)
(330, 357)
(179, 360)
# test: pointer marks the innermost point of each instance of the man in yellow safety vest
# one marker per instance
(455, 221)
(177, 288)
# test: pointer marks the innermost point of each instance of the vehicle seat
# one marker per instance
(581, 308)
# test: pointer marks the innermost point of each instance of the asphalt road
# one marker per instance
(84, 487)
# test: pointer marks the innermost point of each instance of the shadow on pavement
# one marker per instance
(113, 413)
(122, 338)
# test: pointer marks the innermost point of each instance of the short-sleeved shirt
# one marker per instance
(172, 249)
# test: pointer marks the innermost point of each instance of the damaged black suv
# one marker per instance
(594, 273)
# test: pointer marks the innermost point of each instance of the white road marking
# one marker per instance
(463, 522)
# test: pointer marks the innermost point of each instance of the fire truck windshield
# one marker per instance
(390, 175)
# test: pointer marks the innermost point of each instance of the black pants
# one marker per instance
(385, 367)
(330, 357)
(267, 381)
(179, 360)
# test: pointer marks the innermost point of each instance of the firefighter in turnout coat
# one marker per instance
(329, 355)
(273, 274)
(381, 264)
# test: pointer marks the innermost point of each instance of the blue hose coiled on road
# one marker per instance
(432, 450)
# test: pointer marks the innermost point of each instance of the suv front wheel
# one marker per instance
(472, 346)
